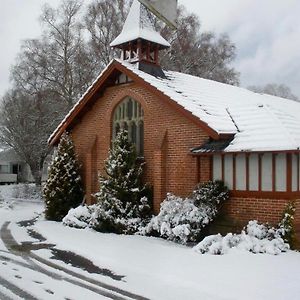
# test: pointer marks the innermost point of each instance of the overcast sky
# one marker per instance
(266, 34)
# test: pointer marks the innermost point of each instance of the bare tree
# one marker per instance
(48, 77)
(199, 53)
(59, 59)
(26, 123)
(2, 143)
(104, 21)
(194, 52)
(280, 90)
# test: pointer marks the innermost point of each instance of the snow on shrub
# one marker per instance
(182, 220)
(95, 217)
(81, 216)
(211, 193)
(6, 204)
(64, 188)
(179, 219)
(123, 201)
(20, 191)
(286, 225)
(120, 219)
(255, 238)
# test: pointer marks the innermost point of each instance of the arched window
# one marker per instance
(129, 115)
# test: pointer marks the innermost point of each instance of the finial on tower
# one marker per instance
(139, 41)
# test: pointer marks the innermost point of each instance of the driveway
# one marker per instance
(32, 273)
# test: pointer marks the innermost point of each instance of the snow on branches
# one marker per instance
(123, 200)
(63, 189)
(182, 220)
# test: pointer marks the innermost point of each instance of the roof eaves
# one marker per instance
(116, 64)
(212, 146)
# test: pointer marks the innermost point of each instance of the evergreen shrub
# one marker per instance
(123, 205)
(182, 220)
(63, 189)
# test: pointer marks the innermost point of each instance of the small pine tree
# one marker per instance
(63, 189)
(286, 226)
(122, 196)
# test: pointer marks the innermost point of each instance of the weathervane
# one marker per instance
(165, 10)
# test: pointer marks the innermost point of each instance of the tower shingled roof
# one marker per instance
(138, 25)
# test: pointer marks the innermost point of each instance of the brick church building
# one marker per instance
(188, 130)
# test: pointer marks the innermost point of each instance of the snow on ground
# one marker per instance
(42, 286)
(163, 270)
(155, 268)
(20, 203)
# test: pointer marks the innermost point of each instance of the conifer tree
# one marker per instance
(63, 189)
(123, 199)
(286, 226)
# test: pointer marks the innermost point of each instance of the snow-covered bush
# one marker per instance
(81, 217)
(182, 220)
(117, 220)
(25, 191)
(94, 216)
(5, 204)
(63, 189)
(123, 201)
(255, 238)
(211, 193)
(178, 220)
(21, 191)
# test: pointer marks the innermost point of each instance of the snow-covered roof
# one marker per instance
(138, 25)
(259, 122)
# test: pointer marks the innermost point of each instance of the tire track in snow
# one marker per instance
(5, 297)
(16, 290)
(93, 285)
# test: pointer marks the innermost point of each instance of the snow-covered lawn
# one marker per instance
(163, 270)
(158, 269)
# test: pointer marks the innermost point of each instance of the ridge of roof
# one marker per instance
(85, 97)
(263, 120)
(225, 108)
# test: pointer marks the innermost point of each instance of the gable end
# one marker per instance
(108, 78)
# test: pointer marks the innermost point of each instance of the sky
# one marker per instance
(265, 32)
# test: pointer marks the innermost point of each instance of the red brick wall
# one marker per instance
(262, 210)
(168, 137)
(297, 222)
(169, 167)
(241, 210)
(205, 172)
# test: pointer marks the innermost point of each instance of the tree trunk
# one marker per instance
(37, 174)
(37, 178)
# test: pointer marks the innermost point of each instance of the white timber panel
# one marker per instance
(266, 172)
(253, 172)
(228, 171)
(281, 172)
(217, 167)
(241, 172)
(294, 172)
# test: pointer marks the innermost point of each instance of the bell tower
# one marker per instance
(139, 42)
